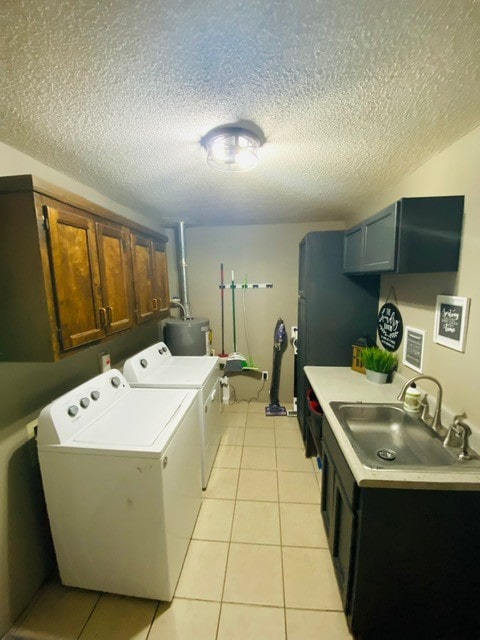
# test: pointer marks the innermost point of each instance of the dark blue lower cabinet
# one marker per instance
(339, 518)
(407, 561)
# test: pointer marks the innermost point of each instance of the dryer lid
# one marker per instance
(155, 367)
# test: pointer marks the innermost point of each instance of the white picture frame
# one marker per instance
(451, 319)
(413, 348)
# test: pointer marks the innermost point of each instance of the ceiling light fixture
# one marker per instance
(231, 148)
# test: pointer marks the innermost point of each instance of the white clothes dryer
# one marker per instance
(122, 480)
(156, 367)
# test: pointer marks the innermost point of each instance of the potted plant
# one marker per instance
(378, 363)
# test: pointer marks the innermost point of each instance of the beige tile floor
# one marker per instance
(257, 567)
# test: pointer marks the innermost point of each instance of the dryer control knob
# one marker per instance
(95, 395)
(84, 402)
(72, 411)
(144, 363)
(116, 382)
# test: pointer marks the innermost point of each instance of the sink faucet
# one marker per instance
(457, 436)
(436, 423)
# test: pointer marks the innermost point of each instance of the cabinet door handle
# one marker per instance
(103, 316)
(109, 314)
(155, 304)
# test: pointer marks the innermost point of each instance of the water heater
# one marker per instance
(189, 337)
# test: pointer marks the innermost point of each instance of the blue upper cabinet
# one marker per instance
(353, 250)
(412, 235)
(379, 240)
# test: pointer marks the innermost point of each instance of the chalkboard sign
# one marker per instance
(390, 326)
(451, 321)
(413, 348)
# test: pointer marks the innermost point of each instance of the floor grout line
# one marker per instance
(278, 457)
(101, 594)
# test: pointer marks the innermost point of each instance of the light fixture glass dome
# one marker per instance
(231, 149)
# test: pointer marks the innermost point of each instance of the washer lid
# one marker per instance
(142, 420)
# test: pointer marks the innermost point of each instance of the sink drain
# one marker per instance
(386, 454)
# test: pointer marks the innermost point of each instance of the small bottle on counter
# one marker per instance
(412, 400)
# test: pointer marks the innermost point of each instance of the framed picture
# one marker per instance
(451, 318)
(413, 348)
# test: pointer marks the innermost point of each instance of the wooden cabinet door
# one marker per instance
(162, 294)
(76, 277)
(115, 272)
(143, 278)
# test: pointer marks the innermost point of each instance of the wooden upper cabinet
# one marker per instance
(150, 278)
(161, 289)
(71, 272)
(75, 276)
(115, 276)
(143, 278)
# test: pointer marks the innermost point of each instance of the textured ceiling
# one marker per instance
(350, 94)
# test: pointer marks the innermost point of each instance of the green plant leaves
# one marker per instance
(377, 359)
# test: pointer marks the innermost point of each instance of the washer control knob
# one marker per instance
(84, 402)
(72, 411)
(116, 382)
(95, 395)
(144, 363)
(164, 349)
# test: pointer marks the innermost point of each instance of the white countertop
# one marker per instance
(342, 384)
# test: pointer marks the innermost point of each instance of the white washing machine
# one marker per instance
(122, 480)
(156, 367)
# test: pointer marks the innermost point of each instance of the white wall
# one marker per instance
(14, 162)
(263, 254)
(452, 172)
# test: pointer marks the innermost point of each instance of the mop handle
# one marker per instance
(233, 315)
(222, 304)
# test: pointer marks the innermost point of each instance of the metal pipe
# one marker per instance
(182, 270)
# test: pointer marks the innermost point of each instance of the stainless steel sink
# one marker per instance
(386, 436)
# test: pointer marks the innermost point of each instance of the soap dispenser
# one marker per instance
(412, 401)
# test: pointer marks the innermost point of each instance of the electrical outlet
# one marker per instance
(264, 375)
(104, 362)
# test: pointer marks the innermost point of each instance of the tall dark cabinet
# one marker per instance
(333, 311)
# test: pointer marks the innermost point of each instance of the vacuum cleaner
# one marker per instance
(280, 342)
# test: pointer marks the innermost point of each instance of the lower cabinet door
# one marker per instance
(328, 495)
(340, 524)
(343, 546)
